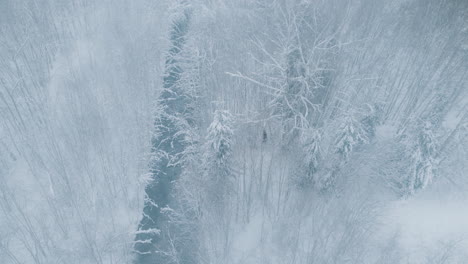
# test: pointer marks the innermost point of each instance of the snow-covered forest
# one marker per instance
(233, 131)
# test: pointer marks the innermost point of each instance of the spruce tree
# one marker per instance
(350, 135)
(218, 183)
(423, 160)
(218, 156)
(159, 238)
(311, 141)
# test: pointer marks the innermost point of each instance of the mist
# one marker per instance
(233, 131)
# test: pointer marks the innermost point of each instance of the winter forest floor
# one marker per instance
(234, 131)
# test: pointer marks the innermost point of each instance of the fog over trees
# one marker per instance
(233, 131)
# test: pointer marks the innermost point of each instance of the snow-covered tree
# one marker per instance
(293, 100)
(218, 158)
(77, 82)
(311, 140)
(423, 160)
(159, 238)
(219, 142)
(350, 134)
(218, 185)
(293, 69)
(372, 119)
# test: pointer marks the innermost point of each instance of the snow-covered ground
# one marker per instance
(233, 131)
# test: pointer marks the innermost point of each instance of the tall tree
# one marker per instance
(312, 155)
(423, 160)
(219, 149)
(159, 238)
(219, 184)
(350, 134)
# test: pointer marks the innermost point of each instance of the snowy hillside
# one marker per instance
(233, 131)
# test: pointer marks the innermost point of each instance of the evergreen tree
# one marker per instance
(423, 160)
(218, 155)
(159, 239)
(218, 183)
(372, 119)
(350, 134)
(312, 154)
